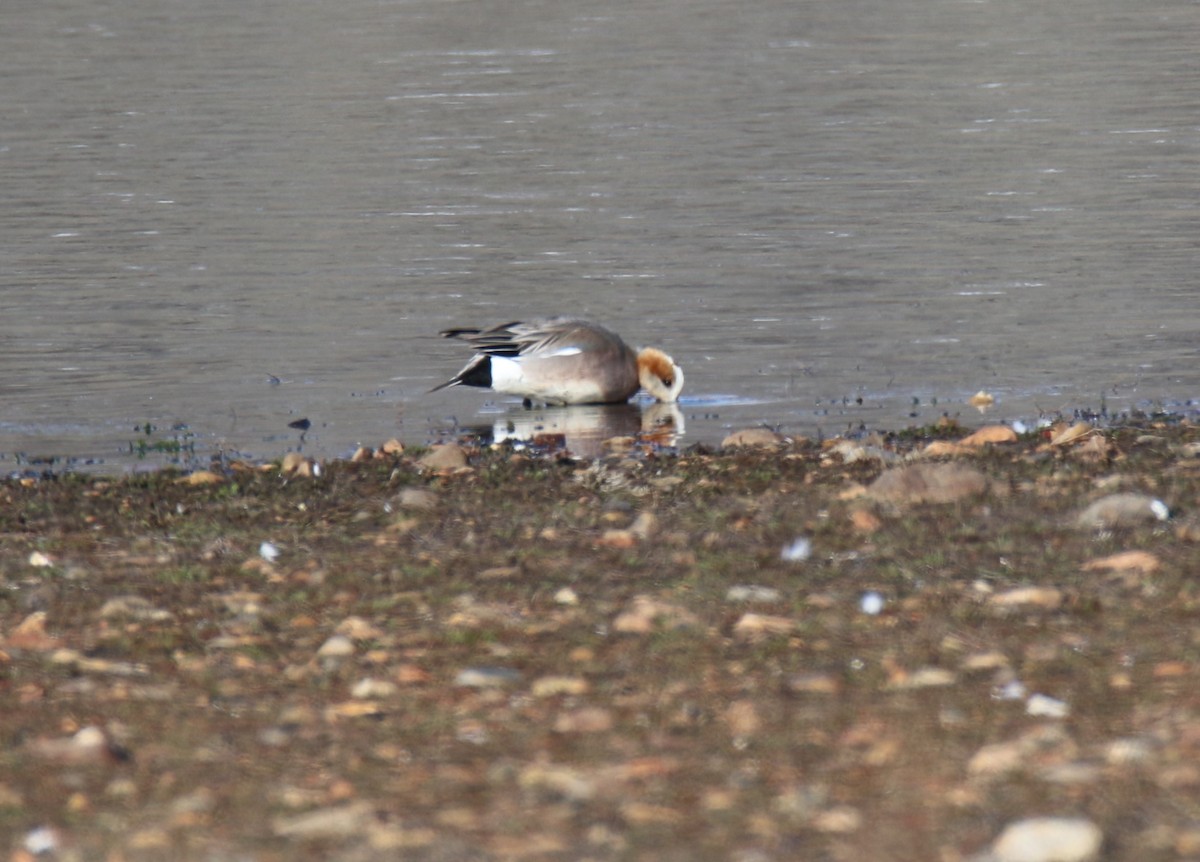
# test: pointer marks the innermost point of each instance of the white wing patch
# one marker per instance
(562, 351)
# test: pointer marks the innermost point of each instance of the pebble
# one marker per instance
(753, 438)
(644, 614)
(448, 457)
(566, 596)
(1046, 707)
(990, 434)
(133, 607)
(39, 560)
(338, 646)
(1048, 839)
(586, 719)
(798, 551)
(342, 821)
(928, 483)
(752, 593)
(871, 603)
(268, 551)
(416, 498)
(754, 626)
(1038, 597)
(486, 677)
(1122, 510)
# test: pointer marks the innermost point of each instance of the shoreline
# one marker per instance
(899, 646)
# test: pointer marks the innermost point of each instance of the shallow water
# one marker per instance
(226, 217)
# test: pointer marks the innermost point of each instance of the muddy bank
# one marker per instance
(755, 654)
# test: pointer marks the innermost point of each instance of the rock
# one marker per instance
(1064, 436)
(1122, 510)
(416, 498)
(486, 677)
(990, 434)
(587, 719)
(1132, 562)
(752, 593)
(645, 613)
(135, 608)
(201, 477)
(754, 626)
(799, 550)
(446, 457)
(1048, 598)
(924, 677)
(981, 400)
(39, 560)
(743, 719)
(342, 821)
(549, 686)
(566, 596)
(1047, 707)
(644, 525)
(928, 483)
(338, 646)
(1048, 839)
(753, 438)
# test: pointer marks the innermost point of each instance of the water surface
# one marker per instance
(227, 216)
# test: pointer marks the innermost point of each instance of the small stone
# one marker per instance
(743, 718)
(549, 686)
(39, 560)
(865, 521)
(1122, 510)
(990, 435)
(343, 821)
(645, 613)
(362, 453)
(486, 677)
(1135, 562)
(620, 539)
(201, 477)
(813, 683)
(840, 820)
(373, 689)
(753, 438)
(338, 646)
(392, 447)
(133, 607)
(798, 551)
(1048, 598)
(587, 719)
(752, 593)
(644, 525)
(928, 483)
(1048, 839)
(1046, 707)
(446, 457)
(981, 400)
(925, 677)
(416, 498)
(752, 627)
(872, 603)
(268, 551)
(566, 596)
(1071, 434)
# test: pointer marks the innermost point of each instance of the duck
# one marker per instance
(563, 360)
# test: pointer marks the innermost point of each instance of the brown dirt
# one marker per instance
(542, 659)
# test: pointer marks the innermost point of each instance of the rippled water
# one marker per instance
(227, 216)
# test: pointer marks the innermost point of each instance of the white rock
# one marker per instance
(1047, 707)
(39, 560)
(798, 551)
(337, 646)
(751, 593)
(871, 603)
(268, 552)
(1048, 839)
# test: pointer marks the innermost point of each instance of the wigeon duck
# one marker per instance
(563, 360)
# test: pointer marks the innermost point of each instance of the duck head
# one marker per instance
(659, 375)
